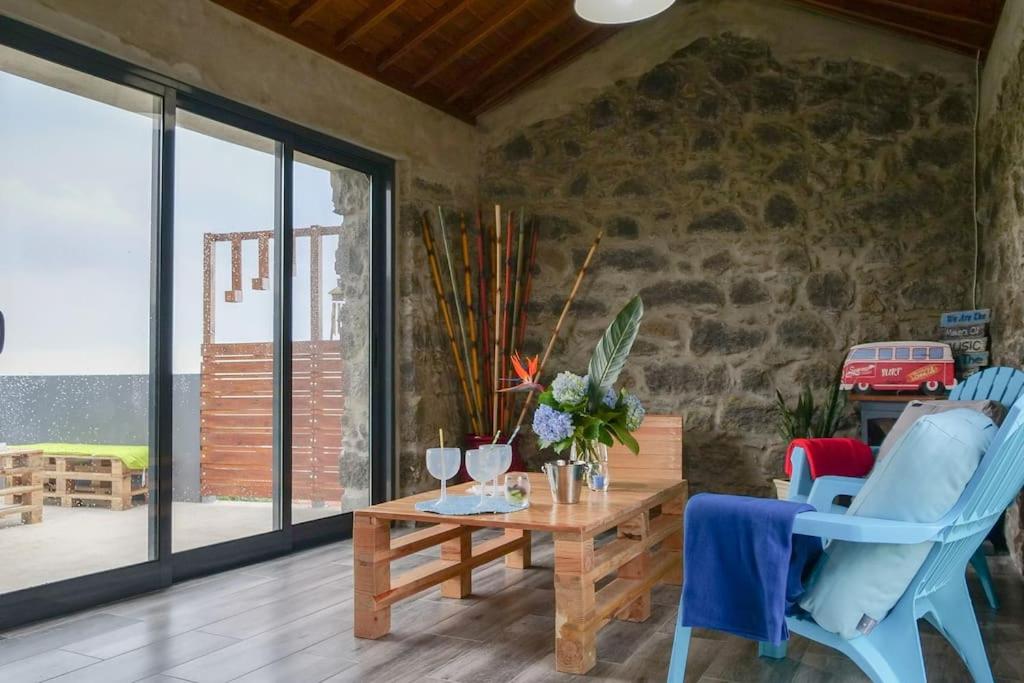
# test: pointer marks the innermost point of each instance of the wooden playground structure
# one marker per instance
(236, 389)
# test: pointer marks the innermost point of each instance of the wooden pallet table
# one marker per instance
(78, 480)
(21, 489)
(645, 551)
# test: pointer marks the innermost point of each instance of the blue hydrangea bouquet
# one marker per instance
(587, 414)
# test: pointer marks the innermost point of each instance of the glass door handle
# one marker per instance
(1, 331)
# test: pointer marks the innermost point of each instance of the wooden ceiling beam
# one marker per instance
(305, 9)
(959, 33)
(489, 26)
(524, 40)
(558, 52)
(370, 17)
(422, 32)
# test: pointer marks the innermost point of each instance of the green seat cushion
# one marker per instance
(133, 457)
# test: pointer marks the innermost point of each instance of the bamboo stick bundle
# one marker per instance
(442, 305)
(528, 287)
(467, 283)
(497, 317)
(561, 321)
(459, 314)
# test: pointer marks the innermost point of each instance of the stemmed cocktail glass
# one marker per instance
(482, 465)
(443, 464)
(502, 453)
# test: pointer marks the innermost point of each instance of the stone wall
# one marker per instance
(770, 210)
(1001, 214)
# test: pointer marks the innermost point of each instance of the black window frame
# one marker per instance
(58, 598)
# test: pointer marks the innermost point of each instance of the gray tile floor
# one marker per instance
(290, 620)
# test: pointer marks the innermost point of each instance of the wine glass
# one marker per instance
(443, 464)
(502, 453)
(481, 466)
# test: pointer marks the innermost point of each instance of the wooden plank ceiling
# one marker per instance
(466, 56)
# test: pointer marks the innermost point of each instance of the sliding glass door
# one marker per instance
(224, 207)
(331, 339)
(190, 289)
(76, 230)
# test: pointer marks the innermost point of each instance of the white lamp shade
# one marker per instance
(620, 11)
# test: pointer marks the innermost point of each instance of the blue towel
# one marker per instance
(744, 567)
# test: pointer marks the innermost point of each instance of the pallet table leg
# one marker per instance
(675, 541)
(636, 529)
(371, 538)
(575, 635)
(459, 549)
(519, 559)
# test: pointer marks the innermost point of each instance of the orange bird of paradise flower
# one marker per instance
(527, 374)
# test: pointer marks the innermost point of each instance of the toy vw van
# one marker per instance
(922, 366)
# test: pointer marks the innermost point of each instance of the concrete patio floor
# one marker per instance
(73, 542)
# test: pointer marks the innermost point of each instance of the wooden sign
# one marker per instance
(972, 345)
(965, 331)
(970, 360)
(959, 318)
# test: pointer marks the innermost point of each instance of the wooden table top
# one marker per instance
(594, 513)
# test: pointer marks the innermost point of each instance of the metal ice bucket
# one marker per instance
(566, 480)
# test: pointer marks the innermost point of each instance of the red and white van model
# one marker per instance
(922, 366)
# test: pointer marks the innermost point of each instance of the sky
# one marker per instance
(75, 222)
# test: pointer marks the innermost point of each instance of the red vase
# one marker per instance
(474, 441)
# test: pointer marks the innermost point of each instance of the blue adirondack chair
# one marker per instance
(891, 652)
(1005, 385)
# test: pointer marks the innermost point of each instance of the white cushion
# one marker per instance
(922, 478)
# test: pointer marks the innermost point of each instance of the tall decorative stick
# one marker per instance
(528, 287)
(467, 283)
(497, 315)
(459, 313)
(514, 336)
(483, 266)
(442, 305)
(561, 320)
(507, 312)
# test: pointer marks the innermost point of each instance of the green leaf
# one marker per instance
(611, 352)
(605, 437)
(625, 438)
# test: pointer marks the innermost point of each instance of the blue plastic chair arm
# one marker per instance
(825, 489)
(865, 529)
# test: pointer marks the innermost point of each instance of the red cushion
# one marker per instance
(833, 457)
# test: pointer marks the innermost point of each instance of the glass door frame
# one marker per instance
(166, 567)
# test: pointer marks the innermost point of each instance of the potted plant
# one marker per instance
(808, 419)
(587, 414)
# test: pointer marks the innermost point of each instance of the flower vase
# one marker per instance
(595, 455)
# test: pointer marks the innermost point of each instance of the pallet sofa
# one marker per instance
(79, 475)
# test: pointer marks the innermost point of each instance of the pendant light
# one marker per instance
(620, 11)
